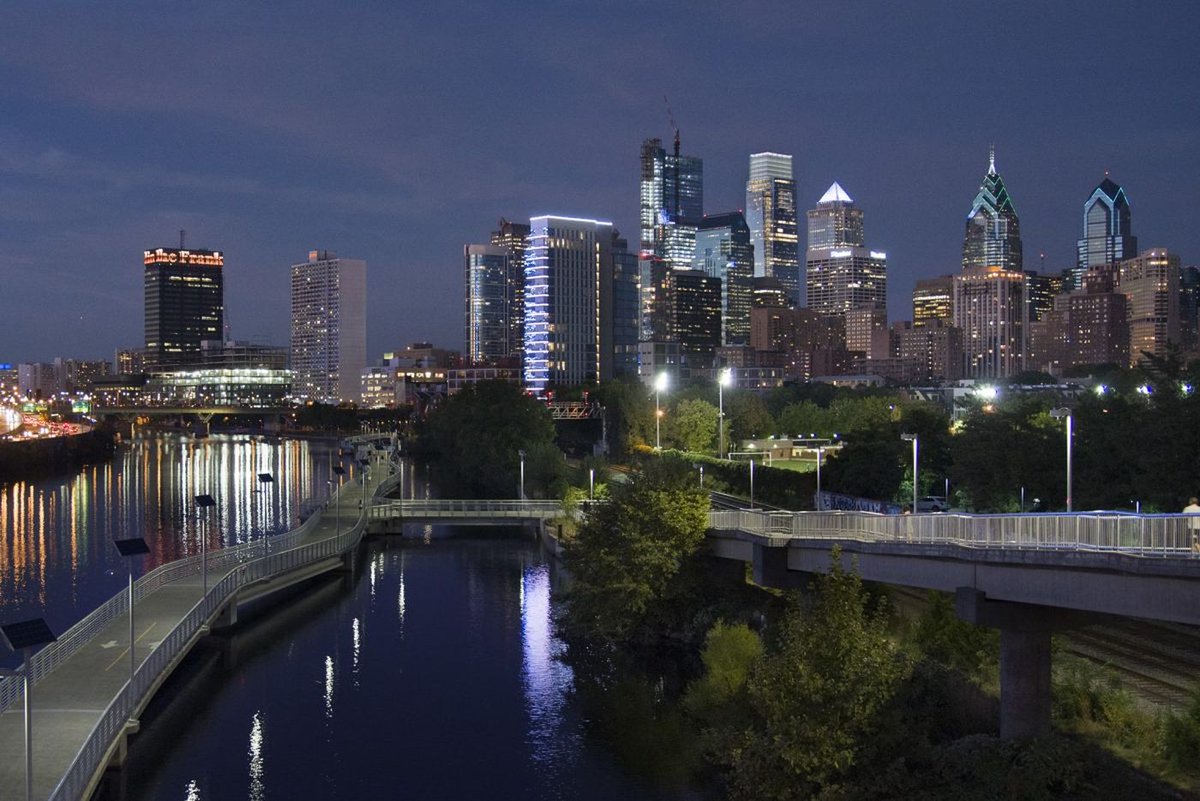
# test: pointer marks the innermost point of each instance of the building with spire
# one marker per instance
(993, 237)
(771, 215)
(1107, 238)
(841, 272)
(671, 201)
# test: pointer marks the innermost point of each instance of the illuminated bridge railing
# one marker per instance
(249, 563)
(1139, 535)
(430, 509)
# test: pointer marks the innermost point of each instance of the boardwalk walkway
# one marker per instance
(83, 702)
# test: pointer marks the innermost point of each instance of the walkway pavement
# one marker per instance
(69, 702)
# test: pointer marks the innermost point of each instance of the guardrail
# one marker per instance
(1140, 535)
(382, 510)
(252, 562)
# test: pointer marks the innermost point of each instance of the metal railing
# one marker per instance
(1140, 535)
(247, 563)
(388, 509)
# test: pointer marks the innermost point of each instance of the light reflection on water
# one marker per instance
(56, 560)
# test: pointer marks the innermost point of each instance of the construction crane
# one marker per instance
(671, 117)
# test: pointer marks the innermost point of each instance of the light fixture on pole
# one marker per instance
(751, 483)
(818, 504)
(913, 439)
(591, 483)
(521, 485)
(24, 637)
(264, 479)
(661, 382)
(205, 502)
(1059, 414)
(130, 548)
(339, 471)
(724, 379)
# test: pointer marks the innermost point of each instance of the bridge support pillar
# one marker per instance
(771, 569)
(227, 616)
(1024, 656)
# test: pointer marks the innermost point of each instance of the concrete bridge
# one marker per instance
(85, 702)
(1027, 575)
(386, 516)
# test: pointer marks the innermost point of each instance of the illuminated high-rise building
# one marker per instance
(511, 236)
(842, 274)
(991, 310)
(671, 201)
(933, 300)
(329, 328)
(771, 215)
(1107, 238)
(578, 292)
(184, 304)
(488, 309)
(993, 236)
(723, 250)
(1150, 284)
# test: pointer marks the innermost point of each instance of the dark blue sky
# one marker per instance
(398, 132)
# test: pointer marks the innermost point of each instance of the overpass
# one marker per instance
(1027, 575)
(84, 699)
(386, 516)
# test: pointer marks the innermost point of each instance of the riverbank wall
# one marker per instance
(35, 458)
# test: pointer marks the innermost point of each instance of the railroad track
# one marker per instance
(1159, 663)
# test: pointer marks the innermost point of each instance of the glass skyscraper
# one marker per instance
(671, 200)
(329, 327)
(1106, 230)
(842, 274)
(723, 250)
(993, 237)
(184, 304)
(771, 215)
(487, 304)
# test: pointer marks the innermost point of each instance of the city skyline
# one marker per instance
(260, 150)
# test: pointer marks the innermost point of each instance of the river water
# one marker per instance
(429, 671)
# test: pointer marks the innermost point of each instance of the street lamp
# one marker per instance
(338, 471)
(724, 379)
(24, 637)
(591, 483)
(660, 385)
(264, 479)
(751, 483)
(521, 486)
(1058, 414)
(819, 504)
(129, 548)
(913, 439)
(205, 502)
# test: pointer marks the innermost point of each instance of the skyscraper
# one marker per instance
(993, 237)
(933, 300)
(511, 236)
(842, 274)
(1150, 284)
(329, 327)
(672, 195)
(771, 215)
(1107, 238)
(723, 250)
(488, 327)
(574, 282)
(990, 308)
(184, 304)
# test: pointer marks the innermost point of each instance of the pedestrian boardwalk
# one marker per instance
(83, 701)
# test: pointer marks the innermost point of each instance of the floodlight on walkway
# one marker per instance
(24, 636)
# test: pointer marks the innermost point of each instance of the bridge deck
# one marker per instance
(70, 701)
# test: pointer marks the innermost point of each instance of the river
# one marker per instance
(430, 671)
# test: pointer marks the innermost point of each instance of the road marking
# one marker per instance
(109, 644)
(121, 655)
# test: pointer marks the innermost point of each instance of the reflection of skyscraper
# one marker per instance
(771, 215)
(723, 250)
(672, 194)
(329, 327)
(185, 304)
(842, 274)
(1106, 232)
(993, 237)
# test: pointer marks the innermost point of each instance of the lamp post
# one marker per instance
(205, 502)
(913, 439)
(131, 548)
(660, 385)
(1058, 414)
(818, 503)
(724, 379)
(264, 479)
(339, 471)
(591, 483)
(24, 637)
(521, 485)
(751, 483)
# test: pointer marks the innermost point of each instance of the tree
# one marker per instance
(477, 436)
(868, 465)
(748, 417)
(629, 550)
(805, 419)
(692, 426)
(818, 694)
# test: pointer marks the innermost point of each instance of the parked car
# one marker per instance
(932, 503)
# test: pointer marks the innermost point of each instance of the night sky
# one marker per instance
(397, 132)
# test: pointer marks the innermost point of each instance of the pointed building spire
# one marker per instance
(835, 194)
(992, 159)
